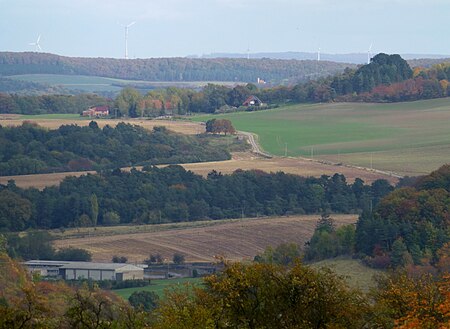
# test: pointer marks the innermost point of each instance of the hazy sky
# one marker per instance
(90, 28)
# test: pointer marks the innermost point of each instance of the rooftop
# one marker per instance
(83, 265)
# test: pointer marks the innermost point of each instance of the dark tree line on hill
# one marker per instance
(173, 194)
(388, 78)
(167, 69)
(30, 149)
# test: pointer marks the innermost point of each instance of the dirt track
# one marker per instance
(236, 240)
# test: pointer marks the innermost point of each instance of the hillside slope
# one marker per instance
(199, 241)
(168, 69)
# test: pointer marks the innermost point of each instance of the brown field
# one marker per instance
(297, 166)
(182, 127)
(198, 241)
(244, 161)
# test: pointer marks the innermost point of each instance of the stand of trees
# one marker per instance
(172, 194)
(30, 149)
(47, 104)
(411, 225)
(409, 228)
(249, 296)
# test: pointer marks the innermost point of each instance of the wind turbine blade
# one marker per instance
(39, 47)
(370, 48)
(38, 39)
(131, 24)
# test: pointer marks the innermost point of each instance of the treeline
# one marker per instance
(27, 87)
(244, 296)
(410, 226)
(172, 194)
(30, 149)
(47, 104)
(168, 69)
(388, 78)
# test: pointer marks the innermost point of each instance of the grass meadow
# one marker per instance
(73, 82)
(160, 286)
(355, 274)
(103, 84)
(410, 138)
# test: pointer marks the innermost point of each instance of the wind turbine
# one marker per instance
(318, 54)
(369, 55)
(126, 37)
(36, 44)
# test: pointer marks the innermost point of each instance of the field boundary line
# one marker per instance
(256, 148)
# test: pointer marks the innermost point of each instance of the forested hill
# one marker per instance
(168, 69)
(30, 149)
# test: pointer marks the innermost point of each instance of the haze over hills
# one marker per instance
(169, 69)
(354, 58)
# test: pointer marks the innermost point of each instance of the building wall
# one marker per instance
(133, 275)
(75, 274)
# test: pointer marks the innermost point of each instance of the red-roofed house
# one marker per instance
(252, 101)
(96, 111)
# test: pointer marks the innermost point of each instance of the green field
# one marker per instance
(356, 274)
(102, 84)
(159, 286)
(410, 138)
(73, 82)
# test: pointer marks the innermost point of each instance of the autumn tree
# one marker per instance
(129, 101)
(410, 302)
(283, 254)
(218, 126)
(266, 296)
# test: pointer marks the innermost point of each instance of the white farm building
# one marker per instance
(86, 270)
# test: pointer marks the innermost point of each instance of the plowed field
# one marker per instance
(199, 241)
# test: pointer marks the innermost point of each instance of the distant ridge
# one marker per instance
(170, 69)
(354, 58)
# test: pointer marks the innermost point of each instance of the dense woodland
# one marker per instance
(276, 291)
(30, 149)
(168, 69)
(388, 78)
(172, 194)
(409, 226)
(48, 104)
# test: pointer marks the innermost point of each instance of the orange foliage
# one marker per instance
(427, 304)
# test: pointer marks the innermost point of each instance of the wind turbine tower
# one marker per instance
(369, 55)
(36, 44)
(126, 37)
(318, 55)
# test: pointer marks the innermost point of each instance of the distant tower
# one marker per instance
(37, 44)
(369, 55)
(318, 54)
(126, 37)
